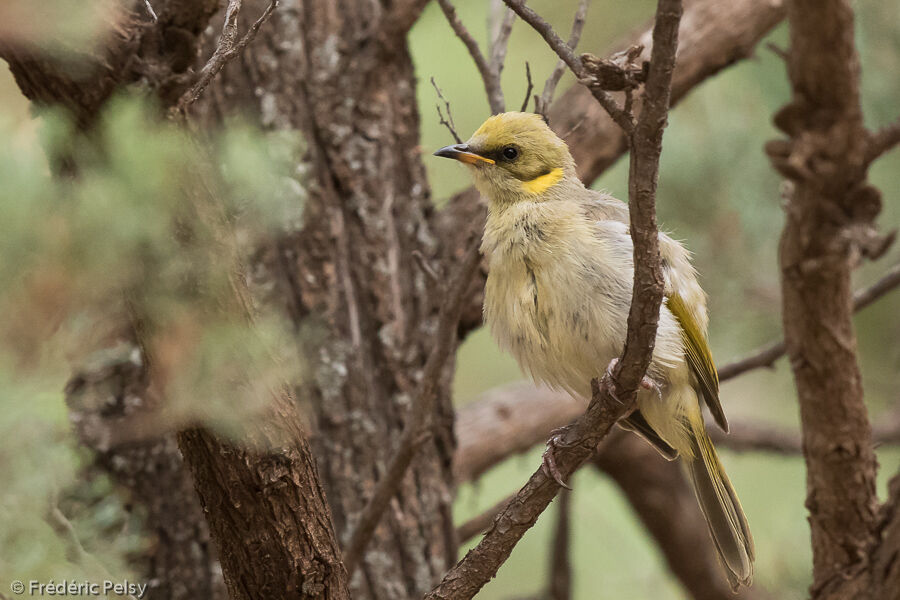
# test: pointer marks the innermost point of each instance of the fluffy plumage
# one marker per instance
(558, 295)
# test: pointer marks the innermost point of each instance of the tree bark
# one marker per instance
(340, 73)
(830, 212)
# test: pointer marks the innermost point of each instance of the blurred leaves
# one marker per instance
(134, 234)
(60, 26)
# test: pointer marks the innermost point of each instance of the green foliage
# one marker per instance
(142, 226)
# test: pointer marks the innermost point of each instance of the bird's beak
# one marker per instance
(461, 153)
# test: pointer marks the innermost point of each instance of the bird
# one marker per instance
(557, 297)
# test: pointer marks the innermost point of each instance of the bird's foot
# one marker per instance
(649, 384)
(646, 383)
(548, 464)
(610, 388)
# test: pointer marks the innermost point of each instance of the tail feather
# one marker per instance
(722, 509)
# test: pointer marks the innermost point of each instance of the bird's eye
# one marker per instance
(510, 153)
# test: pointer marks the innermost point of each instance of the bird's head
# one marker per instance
(514, 156)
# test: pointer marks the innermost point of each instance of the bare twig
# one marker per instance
(498, 41)
(150, 10)
(560, 563)
(768, 354)
(228, 48)
(415, 429)
(614, 396)
(562, 50)
(448, 122)
(883, 140)
(542, 106)
(528, 89)
(426, 267)
(488, 76)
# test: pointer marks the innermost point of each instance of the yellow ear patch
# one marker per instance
(541, 184)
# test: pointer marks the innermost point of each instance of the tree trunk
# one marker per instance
(341, 74)
(830, 214)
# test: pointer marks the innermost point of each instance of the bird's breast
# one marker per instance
(552, 298)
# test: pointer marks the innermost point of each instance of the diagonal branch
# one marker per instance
(228, 48)
(489, 76)
(614, 396)
(542, 103)
(883, 140)
(416, 429)
(498, 40)
(768, 354)
(562, 49)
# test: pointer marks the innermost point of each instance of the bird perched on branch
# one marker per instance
(558, 295)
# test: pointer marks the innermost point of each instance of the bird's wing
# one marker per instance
(699, 358)
(684, 298)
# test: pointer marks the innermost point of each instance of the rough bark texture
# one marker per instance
(105, 401)
(828, 207)
(135, 49)
(262, 498)
(340, 73)
(267, 511)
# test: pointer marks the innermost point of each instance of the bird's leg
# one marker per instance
(548, 464)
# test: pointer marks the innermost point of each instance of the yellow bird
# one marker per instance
(558, 294)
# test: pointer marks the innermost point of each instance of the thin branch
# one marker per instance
(528, 89)
(498, 43)
(448, 122)
(577, 445)
(543, 105)
(491, 80)
(768, 354)
(883, 140)
(416, 428)
(562, 50)
(150, 10)
(228, 48)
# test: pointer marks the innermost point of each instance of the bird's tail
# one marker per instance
(721, 507)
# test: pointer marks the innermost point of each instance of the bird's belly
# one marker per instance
(560, 324)
(564, 321)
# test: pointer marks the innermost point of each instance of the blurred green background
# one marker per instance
(717, 193)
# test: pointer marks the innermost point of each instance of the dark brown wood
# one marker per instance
(828, 201)
(267, 511)
(339, 74)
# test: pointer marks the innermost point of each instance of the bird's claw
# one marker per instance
(650, 384)
(646, 382)
(548, 464)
